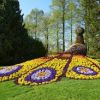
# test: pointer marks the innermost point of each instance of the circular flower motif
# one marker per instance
(6, 71)
(41, 75)
(84, 70)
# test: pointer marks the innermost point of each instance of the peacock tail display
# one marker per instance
(50, 69)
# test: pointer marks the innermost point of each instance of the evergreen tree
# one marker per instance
(15, 44)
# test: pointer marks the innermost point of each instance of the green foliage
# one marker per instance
(33, 21)
(15, 44)
(92, 23)
(38, 23)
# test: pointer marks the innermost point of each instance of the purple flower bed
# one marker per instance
(41, 75)
(84, 70)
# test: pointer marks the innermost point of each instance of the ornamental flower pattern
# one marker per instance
(84, 70)
(48, 72)
(82, 67)
(5, 71)
(24, 67)
(41, 75)
(50, 69)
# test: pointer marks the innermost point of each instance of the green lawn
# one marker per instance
(66, 89)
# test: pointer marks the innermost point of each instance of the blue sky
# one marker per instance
(27, 5)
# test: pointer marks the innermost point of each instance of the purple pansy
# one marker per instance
(84, 70)
(6, 71)
(41, 75)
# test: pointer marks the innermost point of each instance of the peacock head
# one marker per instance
(79, 30)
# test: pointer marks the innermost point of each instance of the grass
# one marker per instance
(66, 89)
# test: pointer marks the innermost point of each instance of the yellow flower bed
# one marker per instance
(86, 68)
(49, 69)
(56, 64)
(24, 68)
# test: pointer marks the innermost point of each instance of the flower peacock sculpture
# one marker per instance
(73, 64)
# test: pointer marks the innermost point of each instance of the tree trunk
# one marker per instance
(71, 28)
(63, 22)
(36, 27)
(57, 38)
(47, 40)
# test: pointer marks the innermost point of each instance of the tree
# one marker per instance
(33, 20)
(45, 23)
(71, 13)
(64, 10)
(15, 44)
(55, 27)
(60, 7)
(91, 19)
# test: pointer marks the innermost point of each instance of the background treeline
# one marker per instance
(56, 29)
(50, 32)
